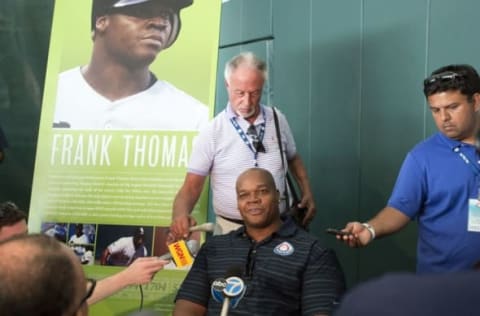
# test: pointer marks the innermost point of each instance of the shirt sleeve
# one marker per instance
(287, 136)
(195, 287)
(323, 282)
(410, 187)
(203, 151)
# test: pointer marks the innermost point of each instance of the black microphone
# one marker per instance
(234, 289)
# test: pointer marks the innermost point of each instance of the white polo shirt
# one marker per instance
(221, 152)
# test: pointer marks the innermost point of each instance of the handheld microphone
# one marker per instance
(207, 227)
(192, 246)
(234, 290)
(217, 289)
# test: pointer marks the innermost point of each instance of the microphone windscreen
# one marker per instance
(235, 270)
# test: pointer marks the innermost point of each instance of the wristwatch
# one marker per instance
(370, 229)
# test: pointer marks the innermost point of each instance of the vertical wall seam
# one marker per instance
(359, 120)
(310, 79)
(427, 51)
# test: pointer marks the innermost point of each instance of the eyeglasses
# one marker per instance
(91, 283)
(443, 76)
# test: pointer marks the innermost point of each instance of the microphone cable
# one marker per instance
(141, 298)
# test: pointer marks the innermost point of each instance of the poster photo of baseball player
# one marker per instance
(117, 89)
(121, 245)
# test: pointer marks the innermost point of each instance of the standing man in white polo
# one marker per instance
(240, 137)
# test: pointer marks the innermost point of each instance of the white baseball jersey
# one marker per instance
(160, 107)
(79, 240)
(124, 245)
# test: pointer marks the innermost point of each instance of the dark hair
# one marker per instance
(463, 78)
(39, 279)
(10, 214)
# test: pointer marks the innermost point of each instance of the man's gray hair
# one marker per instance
(248, 59)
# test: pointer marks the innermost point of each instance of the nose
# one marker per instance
(247, 98)
(254, 197)
(444, 115)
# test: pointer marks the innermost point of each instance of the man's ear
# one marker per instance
(476, 100)
(101, 23)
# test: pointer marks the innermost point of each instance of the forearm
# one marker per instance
(188, 195)
(103, 258)
(187, 308)
(108, 286)
(183, 204)
(297, 168)
(388, 221)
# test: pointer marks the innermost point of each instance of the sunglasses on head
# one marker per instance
(443, 76)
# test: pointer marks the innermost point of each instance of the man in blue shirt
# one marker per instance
(439, 182)
(285, 270)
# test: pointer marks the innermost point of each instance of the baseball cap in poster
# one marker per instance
(105, 7)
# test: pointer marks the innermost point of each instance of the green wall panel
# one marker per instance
(452, 37)
(392, 115)
(245, 20)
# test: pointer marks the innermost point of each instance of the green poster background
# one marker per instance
(124, 178)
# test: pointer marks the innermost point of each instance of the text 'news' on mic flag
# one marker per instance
(180, 253)
(114, 162)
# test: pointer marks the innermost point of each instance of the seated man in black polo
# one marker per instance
(285, 270)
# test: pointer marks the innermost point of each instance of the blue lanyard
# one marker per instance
(474, 166)
(245, 139)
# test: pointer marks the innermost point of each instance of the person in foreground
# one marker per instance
(438, 184)
(286, 271)
(400, 294)
(241, 137)
(41, 276)
(13, 222)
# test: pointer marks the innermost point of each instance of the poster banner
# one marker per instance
(121, 109)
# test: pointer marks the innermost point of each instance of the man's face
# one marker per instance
(244, 90)
(257, 200)
(138, 240)
(19, 228)
(135, 34)
(454, 115)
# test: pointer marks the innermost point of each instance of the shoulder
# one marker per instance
(221, 242)
(70, 74)
(219, 122)
(173, 92)
(432, 142)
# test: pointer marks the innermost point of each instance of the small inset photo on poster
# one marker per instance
(119, 245)
(55, 229)
(163, 239)
(81, 239)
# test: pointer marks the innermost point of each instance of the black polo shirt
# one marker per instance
(289, 273)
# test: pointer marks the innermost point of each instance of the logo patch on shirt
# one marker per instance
(284, 249)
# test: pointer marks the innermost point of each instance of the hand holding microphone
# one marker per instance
(182, 227)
